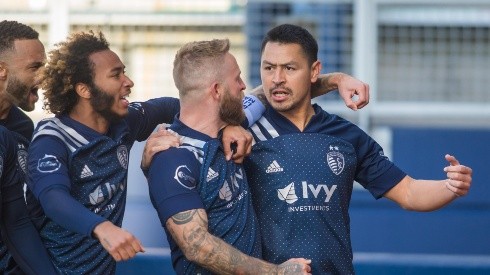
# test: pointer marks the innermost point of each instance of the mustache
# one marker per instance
(281, 87)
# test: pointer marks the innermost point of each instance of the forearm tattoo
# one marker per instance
(190, 230)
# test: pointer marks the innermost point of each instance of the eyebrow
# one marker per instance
(118, 69)
(36, 64)
(265, 62)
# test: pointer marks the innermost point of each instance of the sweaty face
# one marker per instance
(230, 107)
(287, 77)
(110, 86)
(24, 66)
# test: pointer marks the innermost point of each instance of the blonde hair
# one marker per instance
(198, 63)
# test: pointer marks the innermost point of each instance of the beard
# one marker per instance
(231, 109)
(102, 103)
(20, 94)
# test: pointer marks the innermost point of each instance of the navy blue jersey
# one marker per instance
(69, 158)
(10, 178)
(21, 126)
(196, 175)
(18, 234)
(302, 182)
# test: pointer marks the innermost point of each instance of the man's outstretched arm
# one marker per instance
(429, 195)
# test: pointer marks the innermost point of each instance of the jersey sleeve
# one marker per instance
(143, 117)
(253, 108)
(18, 232)
(172, 180)
(49, 181)
(47, 164)
(376, 172)
(20, 235)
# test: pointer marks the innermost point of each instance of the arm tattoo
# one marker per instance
(189, 229)
(183, 217)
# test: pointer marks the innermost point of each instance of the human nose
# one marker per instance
(278, 76)
(242, 86)
(129, 82)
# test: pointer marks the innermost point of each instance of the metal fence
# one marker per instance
(426, 61)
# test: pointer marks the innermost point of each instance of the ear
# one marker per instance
(3, 71)
(215, 89)
(83, 90)
(316, 68)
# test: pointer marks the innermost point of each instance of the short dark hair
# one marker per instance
(69, 64)
(13, 30)
(293, 34)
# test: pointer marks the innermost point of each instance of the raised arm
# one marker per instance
(428, 195)
(189, 229)
(347, 86)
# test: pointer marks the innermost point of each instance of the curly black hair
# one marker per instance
(69, 64)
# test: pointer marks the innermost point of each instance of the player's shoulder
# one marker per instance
(174, 154)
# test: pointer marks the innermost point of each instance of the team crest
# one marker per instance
(122, 156)
(335, 160)
(48, 164)
(22, 160)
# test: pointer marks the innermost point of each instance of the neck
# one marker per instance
(300, 116)
(87, 116)
(204, 118)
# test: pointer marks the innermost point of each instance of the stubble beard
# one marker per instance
(19, 92)
(102, 103)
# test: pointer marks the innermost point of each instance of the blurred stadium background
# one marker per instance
(427, 63)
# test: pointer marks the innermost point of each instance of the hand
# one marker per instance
(459, 176)
(237, 143)
(349, 87)
(158, 141)
(295, 266)
(121, 244)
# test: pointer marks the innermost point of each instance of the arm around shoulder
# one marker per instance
(348, 86)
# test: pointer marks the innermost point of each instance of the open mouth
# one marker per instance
(33, 94)
(124, 100)
(280, 94)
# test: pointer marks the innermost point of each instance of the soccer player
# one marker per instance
(21, 57)
(78, 159)
(203, 200)
(305, 160)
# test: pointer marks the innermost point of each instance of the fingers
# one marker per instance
(459, 177)
(120, 244)
(363, 96)
(237, 143)
(296, 266)
(354, 92)
(158, 141)
(451, 159)
(125, 248)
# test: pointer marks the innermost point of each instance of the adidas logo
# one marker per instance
(274, 167)
(86, 172)
(211, 174)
